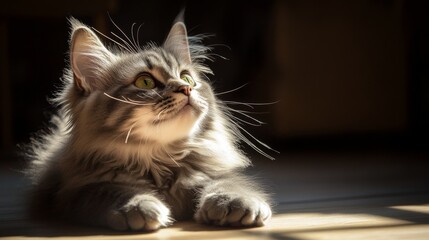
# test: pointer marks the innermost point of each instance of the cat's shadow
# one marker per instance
(64, 229)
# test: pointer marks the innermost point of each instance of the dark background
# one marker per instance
(346, 74)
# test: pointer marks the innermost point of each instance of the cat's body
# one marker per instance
(141, 140)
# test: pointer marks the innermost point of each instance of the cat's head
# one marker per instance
(151, 93)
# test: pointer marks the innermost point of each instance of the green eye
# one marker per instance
(187, 78)
(145, 82)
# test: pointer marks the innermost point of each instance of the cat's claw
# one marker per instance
(223, 210)
(141, 213)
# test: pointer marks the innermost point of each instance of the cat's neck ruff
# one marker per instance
(218, 153)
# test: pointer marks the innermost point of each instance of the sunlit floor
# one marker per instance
(319, 196)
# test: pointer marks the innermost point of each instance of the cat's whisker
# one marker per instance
(125, 35)
(238, 103)
(171, 157)
(114, 41)
(132, 34)
(253, 103)
(242, 111)
(159, 114)
(252, 145)
(138, 33)
(241, 131)
(242, 137)
(129, 132)
(135, 101)
(209, 57)
(125, 42)
(260, 142)
(145, 95)
(218, 45)
(157, 94)
(244, 121)
(136, 45)
(232, 90)
(125, 101)
(246, 115)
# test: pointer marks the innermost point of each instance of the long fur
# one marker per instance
(129, 159)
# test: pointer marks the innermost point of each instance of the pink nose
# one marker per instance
(185, 89)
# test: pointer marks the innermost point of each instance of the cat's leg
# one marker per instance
(233, 201)
(113, 205)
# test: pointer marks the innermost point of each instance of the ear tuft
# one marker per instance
(88, 57)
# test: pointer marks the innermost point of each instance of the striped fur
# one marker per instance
(136, 159)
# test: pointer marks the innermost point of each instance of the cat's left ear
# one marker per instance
(177, 40)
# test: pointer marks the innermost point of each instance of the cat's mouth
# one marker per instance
(184, 106)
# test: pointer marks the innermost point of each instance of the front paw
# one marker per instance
(225, 210)
(142, 212)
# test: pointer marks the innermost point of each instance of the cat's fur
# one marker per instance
(136, 159)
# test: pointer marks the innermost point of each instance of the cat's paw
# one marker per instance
(225, 210)
(141, 213)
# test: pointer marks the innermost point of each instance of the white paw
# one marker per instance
(224, 210)
(142, 212)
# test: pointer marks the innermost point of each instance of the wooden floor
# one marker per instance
(319, 196)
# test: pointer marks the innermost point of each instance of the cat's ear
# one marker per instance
(177, 40)
(88, 57)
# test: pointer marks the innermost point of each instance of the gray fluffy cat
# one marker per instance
(141, 140)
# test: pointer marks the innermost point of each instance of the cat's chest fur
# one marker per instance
(177, 185)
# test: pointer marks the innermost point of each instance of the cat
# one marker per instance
(140, 140)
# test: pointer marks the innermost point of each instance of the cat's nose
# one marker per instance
(185, 89)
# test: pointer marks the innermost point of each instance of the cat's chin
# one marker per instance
(186, 110)
(176, 127)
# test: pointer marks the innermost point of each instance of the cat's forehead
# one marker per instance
(156, 61)
(162, 64)
(158, 57)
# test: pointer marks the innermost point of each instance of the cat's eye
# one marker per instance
(187, 78)
(145, 82)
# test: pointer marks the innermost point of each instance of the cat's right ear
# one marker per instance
(88, 57)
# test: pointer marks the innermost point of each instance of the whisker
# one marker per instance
(160, 113)
(157, 93)
(245, 139)
(260, 103)
(135, 101)
(260, 142)
(171, 157)
(144, 95)
(138, 31)
(139, 151)
(125, 101)
(250, 104)
(218, 45)
(113, 22)
(242, 111)
(238, 103)
(111, 39)
(232, 90)
(125, 42)
(129, 132)
(246, 115)
(244, 121)
(136, 46)
(210, 56)
(252, 145)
